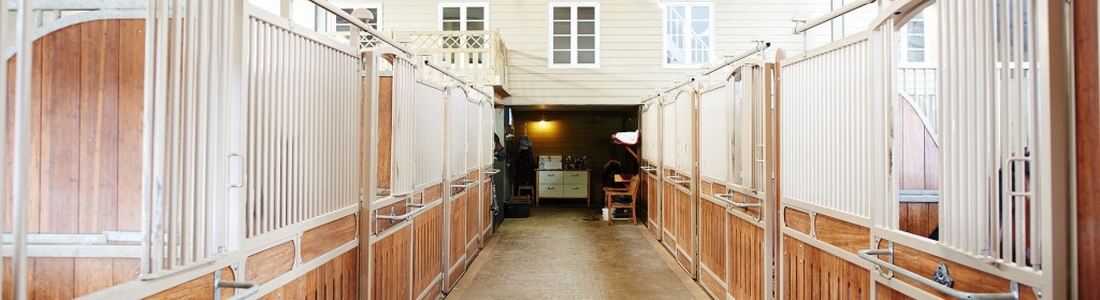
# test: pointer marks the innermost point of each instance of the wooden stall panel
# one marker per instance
(668, 216)
(746, 260)
(428, 253)
(385, 132)
(456, 241)
(473, 222)
(712, 248)
(390, 265)
(270, 263)
(336, 279)
(324, 238)
(201, 287)
(966, 278)
(797, 220)
(653, 205)
(918, 218)
(486, 212)
(685, 231)
(844, 235)
(883, 292)
(809, 273)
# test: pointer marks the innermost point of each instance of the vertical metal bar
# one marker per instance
(4, 120)
(21, 154)
(947, 217)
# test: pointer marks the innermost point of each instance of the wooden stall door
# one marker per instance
(654, 205)
(713, 242)
(668, 216)
(391, 261)
(427, 264)
(486, 210)
(455, 226)
(747, 256)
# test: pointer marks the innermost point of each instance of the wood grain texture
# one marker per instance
(90, 275)
(797, 220)
(1087, 146)
(385, 131)
(966, 279)
(668, 215)
(398, 208)
(201, 287)
(456, 246)
(336, 279)
(712, 245)
(60, 130)
(651, 210)
(843, 235)
(98, 123)
(918, 218)
(270, 263)
(131, 72)
(51, 278)
(391, 263)
(473, 223)
(810, 273)
(686, 228)
(433, 193)
(428, 252)
(322, 239)
(886, 293)
(746, 260)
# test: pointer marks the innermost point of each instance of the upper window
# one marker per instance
(462, 17)
(343, 25)
(574, 35)
(913, 40)
(688, 34)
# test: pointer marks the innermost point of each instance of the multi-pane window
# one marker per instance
(688, 34)
(462, 17)
(574, 35)
(913, 39)
(344, 26)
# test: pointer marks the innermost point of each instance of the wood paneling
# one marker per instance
(473, 221)
(668, 215)
(385, 131)
(98, 123)
(844, 235)
(810, 273)
(397, 208)
(336, 279)
(131, 75)
(433, 193)
(886, 293)
(391, 263)
(324, 238)
(918, 218)
(746, 260)
(917, 152)
(797, 220)
(651, 211)
(456, 241)
(270, 263)
(712, 245)
(1087, 143)
(428, 252)
(966, 279)
(685, 232)
(201, 287)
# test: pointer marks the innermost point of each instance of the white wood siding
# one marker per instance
(630, 46)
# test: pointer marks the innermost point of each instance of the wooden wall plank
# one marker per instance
(201, 287)
(844, 235)
(433, 193)
(51, 278)
(746, 259)
(126, 269)
(391, 265)
(98, 125)
(931, 163)
(90, 275)
(1087, 145)
(324, 238)
(428, 251)
(712, 245)
(918, 218)
(270, 263)
(60, 130)
(797, 220)
(131, 74)
(966, 279)
(385, 131)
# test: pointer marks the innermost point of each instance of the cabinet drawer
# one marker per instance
(575, 177)
(575, 191)
(551, 190)
(550, 177)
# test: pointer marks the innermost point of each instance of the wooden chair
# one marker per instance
(627, 199)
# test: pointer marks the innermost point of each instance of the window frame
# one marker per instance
(462, 13)
(688, 35)
(573, 64)
(903, 41)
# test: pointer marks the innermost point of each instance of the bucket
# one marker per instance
(605, 214)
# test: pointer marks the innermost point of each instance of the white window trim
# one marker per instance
(439, 13)
(664, 33)
(550, 37)
(903, 45)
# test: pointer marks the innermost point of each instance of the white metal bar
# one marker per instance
(732, 60)
(4, 119)
(362, 26)
(21, 153)
(872, 256)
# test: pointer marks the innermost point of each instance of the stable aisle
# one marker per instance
(564, 252)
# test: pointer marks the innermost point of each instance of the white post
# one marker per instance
(21, 154)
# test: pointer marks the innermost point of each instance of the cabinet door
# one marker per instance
(550, 191)
(575, 177)
(575, 191)
(550, 178)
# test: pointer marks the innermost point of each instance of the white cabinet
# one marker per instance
(563, 184)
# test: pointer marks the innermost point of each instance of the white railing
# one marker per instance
(832, 129)
(480, 56)
(403, 164)
(429, 134)
(303, 158)
(986, 145)
(650, 133)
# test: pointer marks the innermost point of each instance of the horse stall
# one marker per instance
(857, 212)
(736, 206)
(679, 180)
(650, 189)
(179, 149)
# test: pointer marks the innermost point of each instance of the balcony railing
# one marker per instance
(918, 85)
(479, 56)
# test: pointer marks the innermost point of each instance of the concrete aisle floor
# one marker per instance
(560, 253)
